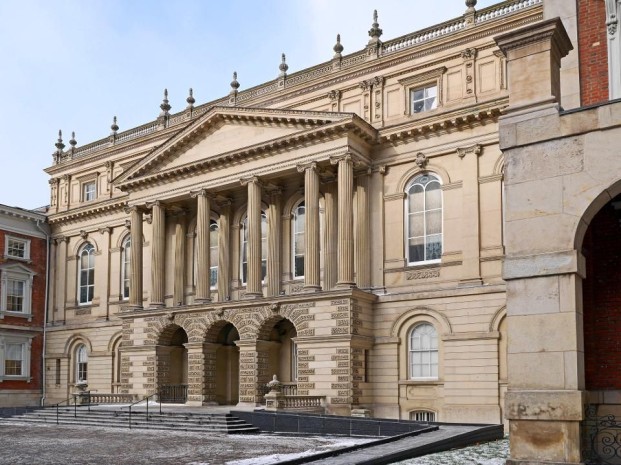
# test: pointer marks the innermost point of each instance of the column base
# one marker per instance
(310, 288)
(202, 301)
(156, 305)
(252, 296)
(345, 285)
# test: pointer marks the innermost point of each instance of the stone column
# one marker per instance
(52, 284)
(345, 261)
(331, 235)
(61, 273)
(180, 233)
(224, 273)
(273, 243)
(158, 247)
(253, 285)
(363, 243)
(203, 287)
(135, 282)
(311, 228)
(471, 207)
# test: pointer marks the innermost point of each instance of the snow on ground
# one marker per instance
(490, 453)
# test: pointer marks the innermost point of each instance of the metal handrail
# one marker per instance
(137, 402)
(75, 412)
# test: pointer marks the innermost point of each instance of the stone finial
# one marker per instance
(375, 32)
(190, 99)
(338, 47)
(470, 4)
(283, 65)
(114, 126)
(72, 141)
(234, 83)
(165, 106)
(59, 143)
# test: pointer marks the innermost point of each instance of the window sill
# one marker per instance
(27, 379)
(421, 382)
(18, 259)
(4, 313)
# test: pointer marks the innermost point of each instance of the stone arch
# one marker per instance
(74, 340)
(114, 340)
(165, 326)
(592, 209)
(416, 170)
(499, 166)
(82, 242)
(404, 319)
(291, 202)
(214, 328)
(500, 314)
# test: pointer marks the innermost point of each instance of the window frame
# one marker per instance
(22, 240)
(423, 412)
(413, 181)
(88, 195)
(90, 270)
(294, 233)
(424, 99)
(430, 351)
(427, 79)
(125, 266)
(17, 273)
(26, 354)
(81, 358)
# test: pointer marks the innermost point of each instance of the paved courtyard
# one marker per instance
(27, 444)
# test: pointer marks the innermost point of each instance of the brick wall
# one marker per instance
(593, 51)
(602, 301)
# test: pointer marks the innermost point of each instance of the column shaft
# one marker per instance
(158, 244)
(180, 233)
(311, 229)
(274, 243)
(203, 285)
(224, 274)
(346, 223)
(331, 237)
(253, 285)
(363, 244)
(135, 283)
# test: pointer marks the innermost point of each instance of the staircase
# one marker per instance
(224, 423)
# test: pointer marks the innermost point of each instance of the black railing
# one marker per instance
(75, 411)
(173, 393)
(601, 438)
(144, 399)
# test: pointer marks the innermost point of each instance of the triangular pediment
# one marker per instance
(230, 131)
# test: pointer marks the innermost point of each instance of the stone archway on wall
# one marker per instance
(172, 364)
(221, 366)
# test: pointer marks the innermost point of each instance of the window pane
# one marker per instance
(213, 276)
(434, 222)
(431, 91)
(434, 247)
(416, 199)
(418, 94)
(416, 250)
(418, 106)
(430, 103)
(417, 225)
(299, 266)
(433, 196)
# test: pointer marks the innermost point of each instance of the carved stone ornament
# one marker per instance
(423, 274)
(469, 54)
(220, 313)
(83, 234)
(334, 95)
(275, 307)
(421, 160)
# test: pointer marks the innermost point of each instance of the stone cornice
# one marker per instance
(88, 210)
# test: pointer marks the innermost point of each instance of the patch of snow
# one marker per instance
(490, 453)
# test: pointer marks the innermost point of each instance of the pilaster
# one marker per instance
(345, 257)
(470, 231)
(224, 273)
(311, 228)
(331, 235)
(180, 233)
(135, 283)
(363, 243)
(203, 258)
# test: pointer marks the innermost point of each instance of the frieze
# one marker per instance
(423, 274)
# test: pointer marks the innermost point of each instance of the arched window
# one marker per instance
(86, 274)
(213, 253)
(81, 364)
(243, 241)
(423, 348)
(423, 219)
(423, 415)
(126, 253)
(297, 240)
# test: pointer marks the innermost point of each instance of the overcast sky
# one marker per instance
(74, 64)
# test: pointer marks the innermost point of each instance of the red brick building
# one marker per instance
(23, 274)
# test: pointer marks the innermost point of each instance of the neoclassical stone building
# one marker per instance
(340, 227)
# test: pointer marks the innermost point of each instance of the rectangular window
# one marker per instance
(18, 248)
(88, 191)
(14, 360)
(15, 295)
(57, 372)
(424, 99)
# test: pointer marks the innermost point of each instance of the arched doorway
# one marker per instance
(282, 360)
(172, 365)
(226, 374)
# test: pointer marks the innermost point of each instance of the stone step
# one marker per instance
(218, 423)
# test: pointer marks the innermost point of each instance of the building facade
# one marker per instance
(340, 227)
(563, 197)
(23, 276)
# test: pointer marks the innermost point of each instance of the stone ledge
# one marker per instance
(546, 264)
(545, 405)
